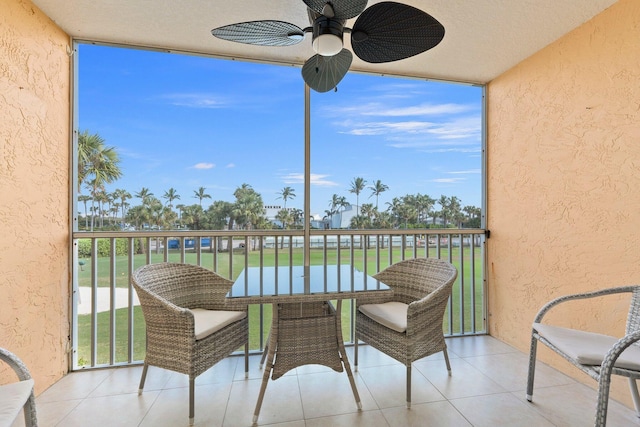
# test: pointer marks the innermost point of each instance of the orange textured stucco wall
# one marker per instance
(34, 191)
(563, 166)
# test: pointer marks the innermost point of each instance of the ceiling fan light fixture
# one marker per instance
(385, 32)
(327, 36)
(327, 44)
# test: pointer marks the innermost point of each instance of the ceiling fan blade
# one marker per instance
(264, 33)
(342, 9)
(323, 73)
(391, 31)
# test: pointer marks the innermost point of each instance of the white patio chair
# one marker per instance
(18, 395)
(599, 356)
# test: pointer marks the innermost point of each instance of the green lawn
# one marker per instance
(103, 349)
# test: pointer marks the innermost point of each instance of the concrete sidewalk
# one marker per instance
(104, 299)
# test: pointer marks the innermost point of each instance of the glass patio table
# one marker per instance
(305, 326)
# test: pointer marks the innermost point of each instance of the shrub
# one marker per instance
(104, 247)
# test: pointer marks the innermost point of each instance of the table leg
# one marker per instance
(270, 351)
(265, 351)
(343, 354)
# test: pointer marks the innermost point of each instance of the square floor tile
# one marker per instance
(387, 385)
(501, 409)
(441, 414)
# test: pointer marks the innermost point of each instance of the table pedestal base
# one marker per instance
(303, 334)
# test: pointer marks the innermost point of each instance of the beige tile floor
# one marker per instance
(487, 388)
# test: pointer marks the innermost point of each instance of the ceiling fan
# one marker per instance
(385, 32)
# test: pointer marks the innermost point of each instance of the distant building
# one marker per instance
(271, 211)
(342, 219)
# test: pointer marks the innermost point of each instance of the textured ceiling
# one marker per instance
(483, 38)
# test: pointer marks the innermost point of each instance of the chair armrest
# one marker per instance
(15, 363)
(235, 305)
(379, 298)
(425, 312)
(615, 351)
(586, 295)
(159, 313)
(151, 299)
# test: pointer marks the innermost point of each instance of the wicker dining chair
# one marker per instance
(598, 355)
(190, 325)
(408, 325)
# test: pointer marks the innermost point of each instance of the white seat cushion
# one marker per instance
(210, 321)
(12, 398)
(392, 314)
(588, 348)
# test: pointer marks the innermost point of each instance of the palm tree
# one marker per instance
(404, 209)
(84, 199)
(114, 211)
(287, 193)
(143, 215)
(95, 160)
(97, 164)
(297, 215)
(358, 222)
(200, 194)
(378, 188)
(144, 195)
(101, 197)
(138, 215)
(122, 195)
(333, 205)
(445, 212)
(218, 214)
(455, 210)
(154, 207)
(192, 216)
(336, 203)
(180, 208)
(284, 217)
(110, 201)
(473, 216)
(171, 195)
(357, 185)
(248, 206)
(368, 210)
(383, 220)
(424, 205)
(94, 191)
(248, 209)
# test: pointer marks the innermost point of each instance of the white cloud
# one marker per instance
(315, 179)
(459, 149)
(470, 171)
(384, 110)
(204, 166)
(382, 128)
(419, 110)
(455, 129)
(196, 100)
(448, 180)
(231, 165)
(456, 179)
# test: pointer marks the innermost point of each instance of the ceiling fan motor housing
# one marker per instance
(327, 36)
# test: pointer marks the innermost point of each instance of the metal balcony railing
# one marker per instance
(108, 326)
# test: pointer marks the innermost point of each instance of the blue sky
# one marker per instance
(186, 122)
